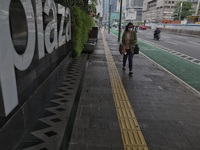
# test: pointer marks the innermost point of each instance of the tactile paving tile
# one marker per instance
(132, 136)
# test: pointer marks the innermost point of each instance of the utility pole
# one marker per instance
(120, 20)
(109, 16)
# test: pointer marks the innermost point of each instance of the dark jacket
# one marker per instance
(133, 39)
(157, 31)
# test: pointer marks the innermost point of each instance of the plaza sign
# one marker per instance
(40, 37)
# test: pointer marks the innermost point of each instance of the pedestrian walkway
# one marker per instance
(84, 112)
(167, 112)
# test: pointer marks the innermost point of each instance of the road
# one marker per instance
(180, 43)
(178, 54)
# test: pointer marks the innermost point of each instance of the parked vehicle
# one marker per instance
(142, 27)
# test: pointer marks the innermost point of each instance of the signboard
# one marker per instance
(35, 28)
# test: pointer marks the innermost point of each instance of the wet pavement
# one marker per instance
(82, 112)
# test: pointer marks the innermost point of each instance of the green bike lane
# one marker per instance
(185, 70)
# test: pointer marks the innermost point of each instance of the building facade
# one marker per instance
(133, 11)
(113, 5)
(161, 10)
(105, 4)
(123, 9)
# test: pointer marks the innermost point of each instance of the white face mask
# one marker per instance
(130, 29)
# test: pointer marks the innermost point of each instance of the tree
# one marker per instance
(184, 11)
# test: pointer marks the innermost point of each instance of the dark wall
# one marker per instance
(34, 88)
(36, 83)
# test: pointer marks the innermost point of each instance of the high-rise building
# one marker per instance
(138, 5)
(113, 5)
(131, 9)
(161, 10)
(105, 11)
(106, 4)
(123, 9)
(134, 10)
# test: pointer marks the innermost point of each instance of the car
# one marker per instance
(142, 27)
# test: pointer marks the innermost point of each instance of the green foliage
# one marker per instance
(140, 23)
(70, 3)
(183, 12)
(92, 8)
(81, 24)
(80, 3)
(81, 21)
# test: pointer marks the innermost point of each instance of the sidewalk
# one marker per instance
(82, 113)
(167, 112)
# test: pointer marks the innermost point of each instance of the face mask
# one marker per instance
(130, 29)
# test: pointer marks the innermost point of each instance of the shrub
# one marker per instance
(81, 24)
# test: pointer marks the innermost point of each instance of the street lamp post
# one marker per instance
(109, 16)
(180, 11)
(120, 20)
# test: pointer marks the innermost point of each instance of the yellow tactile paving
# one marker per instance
(132, 136)
(123, 104)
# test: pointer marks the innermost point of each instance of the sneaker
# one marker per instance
(123, 68)
(130, 73)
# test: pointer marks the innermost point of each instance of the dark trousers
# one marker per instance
(129, 55)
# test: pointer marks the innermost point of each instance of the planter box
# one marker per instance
(92, 40)
(89, 47)
(93, 33)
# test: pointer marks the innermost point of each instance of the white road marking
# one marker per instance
(183, 37)
(171, 42)
(150, 37)
(193, 42)
(165, 37)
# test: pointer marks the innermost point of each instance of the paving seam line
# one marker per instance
(189, 87)
(131, 133)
